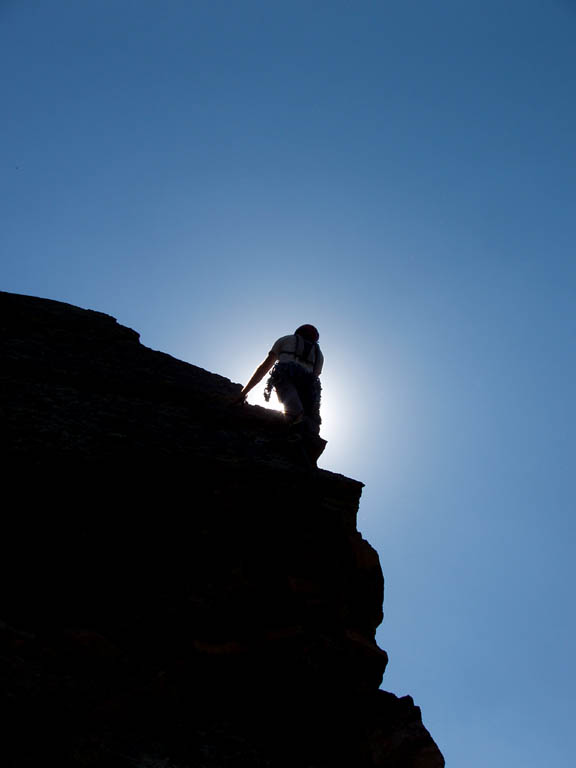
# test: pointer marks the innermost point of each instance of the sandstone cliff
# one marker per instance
(178, 588)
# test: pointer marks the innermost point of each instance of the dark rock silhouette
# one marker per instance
(178, 589)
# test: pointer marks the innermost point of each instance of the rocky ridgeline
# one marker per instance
(179, 589)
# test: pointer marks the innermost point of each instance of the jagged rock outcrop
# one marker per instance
(178, 588)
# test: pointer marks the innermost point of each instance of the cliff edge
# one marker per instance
(178, 589)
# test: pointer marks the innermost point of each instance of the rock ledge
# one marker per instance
(178, 588)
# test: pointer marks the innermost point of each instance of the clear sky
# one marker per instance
(400, 173)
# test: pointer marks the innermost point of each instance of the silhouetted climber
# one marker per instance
(298, 362)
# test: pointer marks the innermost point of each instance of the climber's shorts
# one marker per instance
(299, 392)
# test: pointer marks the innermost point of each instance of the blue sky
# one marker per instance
(400, 174)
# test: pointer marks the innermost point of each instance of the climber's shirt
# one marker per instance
(295, 349)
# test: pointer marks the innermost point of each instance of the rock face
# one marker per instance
(178, 589)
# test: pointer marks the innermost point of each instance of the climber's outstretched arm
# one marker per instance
(258, 375)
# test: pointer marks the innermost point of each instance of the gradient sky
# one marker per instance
(400, 173)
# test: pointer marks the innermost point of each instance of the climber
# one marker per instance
(297, 362)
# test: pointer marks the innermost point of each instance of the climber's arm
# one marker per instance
(258, 374)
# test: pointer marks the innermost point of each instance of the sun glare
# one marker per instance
(338, 409)
(333, 425)
(256, 397)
